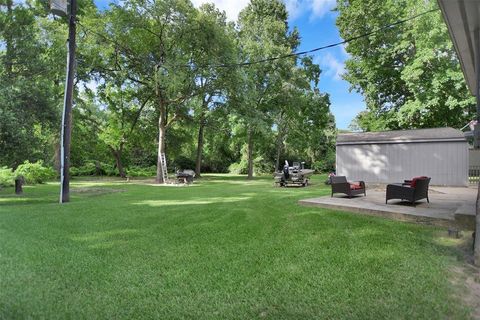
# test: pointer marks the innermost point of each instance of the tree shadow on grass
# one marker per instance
(14, 200)
(32, 197)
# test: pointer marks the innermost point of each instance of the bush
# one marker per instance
(7, 177)
(35, 172)
(135, 171)
(327, 164)
(94, 168)
(88, 169)
(108, 169)
(260, 166)
(74, 171)
(215, 166)
(238, 167)
(181, 163)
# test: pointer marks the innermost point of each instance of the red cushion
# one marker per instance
(355, 186)
(414, 181)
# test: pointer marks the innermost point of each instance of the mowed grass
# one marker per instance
(223, 248)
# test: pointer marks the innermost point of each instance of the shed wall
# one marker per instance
(445, 162)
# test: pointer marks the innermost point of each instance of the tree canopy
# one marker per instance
(409, 74)
(161, 77)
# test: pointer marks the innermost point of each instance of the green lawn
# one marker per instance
(223, 248)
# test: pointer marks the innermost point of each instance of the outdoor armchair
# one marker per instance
(341, 185)
(416, 190)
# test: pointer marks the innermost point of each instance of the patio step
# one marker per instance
(465, 216)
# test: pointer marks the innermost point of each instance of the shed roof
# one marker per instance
(402, 136)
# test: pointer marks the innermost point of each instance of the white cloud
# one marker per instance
(343, 49)
(295, 8)
(320, 7)
(315, 8)
(231, 7)
(331, 66)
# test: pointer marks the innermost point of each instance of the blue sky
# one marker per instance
(316, 22)
(317, 31)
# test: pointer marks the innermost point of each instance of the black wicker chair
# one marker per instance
(417, 190)
(341, 185)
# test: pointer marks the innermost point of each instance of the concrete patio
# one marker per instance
(451, 207)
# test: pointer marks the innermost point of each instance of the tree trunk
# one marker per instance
(277, 159)
(162, 128)
(250, 154)
(281, 133)
(198, 161)
(18, 185)
(117, 154)
(279, 150)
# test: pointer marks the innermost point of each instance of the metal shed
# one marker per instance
(393, 156)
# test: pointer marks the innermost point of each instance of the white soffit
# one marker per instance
(462, 20)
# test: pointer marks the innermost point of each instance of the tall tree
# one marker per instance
(263, 34)
(30, 84)
(298, 103)
(151, 46)
(214, 49)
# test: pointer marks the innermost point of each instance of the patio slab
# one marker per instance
(452, 207)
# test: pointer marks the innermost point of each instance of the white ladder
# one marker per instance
(163, 158)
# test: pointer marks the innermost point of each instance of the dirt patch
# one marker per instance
(465, 277)
(94, 191)
(468, 277)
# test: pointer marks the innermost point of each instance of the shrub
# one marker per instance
(7, 177)
(216, 166)
(327, 164)
(92, 168)
(108, 169)
(135, 171)
(239, 167)
(74, 171)
(182, 163)
(88, 169)
(260, 166)
(35, 172)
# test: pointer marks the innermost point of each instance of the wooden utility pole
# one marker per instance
(476, 143)
(67, 107)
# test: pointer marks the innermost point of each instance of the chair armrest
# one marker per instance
(396, 188)
(343, 187)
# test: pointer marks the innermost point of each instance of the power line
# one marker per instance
(363, 35)
(290, 55)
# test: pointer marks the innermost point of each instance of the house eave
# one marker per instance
(462, 19)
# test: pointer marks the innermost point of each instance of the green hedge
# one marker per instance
(93, 168)
(7, 177)
(35, 172)
(135, 171)
(260, 166)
